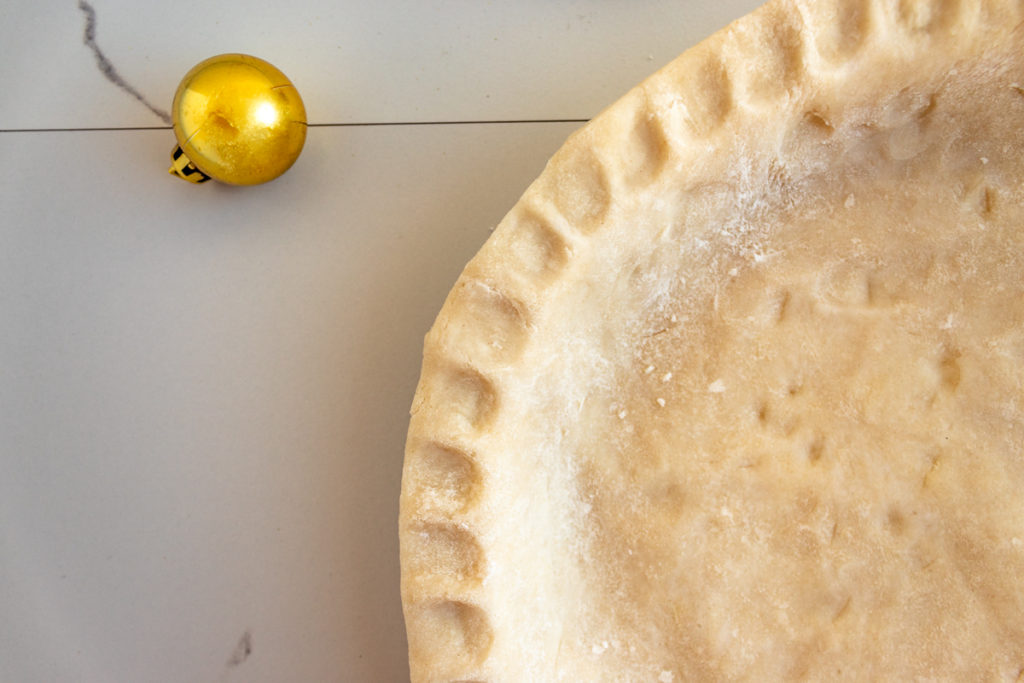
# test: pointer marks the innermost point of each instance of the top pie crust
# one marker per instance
(735, 390)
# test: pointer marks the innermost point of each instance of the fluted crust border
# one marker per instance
(770, 62)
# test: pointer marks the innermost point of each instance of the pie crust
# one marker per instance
(736, 389)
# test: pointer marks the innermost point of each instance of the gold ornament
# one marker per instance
(237, 119)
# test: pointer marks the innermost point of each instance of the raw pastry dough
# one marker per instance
(734, 392)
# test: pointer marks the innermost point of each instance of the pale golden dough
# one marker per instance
(735, 391)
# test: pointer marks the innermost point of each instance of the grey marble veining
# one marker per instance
(107, 68)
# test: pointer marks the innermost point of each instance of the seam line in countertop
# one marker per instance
(354, 124)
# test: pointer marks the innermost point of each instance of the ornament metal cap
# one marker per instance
(238, 120)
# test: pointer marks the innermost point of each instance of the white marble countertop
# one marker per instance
(204, 389)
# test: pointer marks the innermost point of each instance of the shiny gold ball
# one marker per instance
(237, 119)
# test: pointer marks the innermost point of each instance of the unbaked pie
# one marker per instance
(736, 390)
